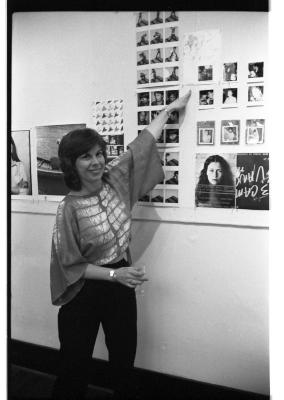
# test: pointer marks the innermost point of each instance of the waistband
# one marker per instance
(118, 264)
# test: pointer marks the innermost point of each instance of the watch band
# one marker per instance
(112, 275)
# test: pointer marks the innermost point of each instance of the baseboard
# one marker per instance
(152, 384)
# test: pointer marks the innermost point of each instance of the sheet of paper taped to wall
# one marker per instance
(200, 48)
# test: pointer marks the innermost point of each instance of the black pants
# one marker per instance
(114, 306)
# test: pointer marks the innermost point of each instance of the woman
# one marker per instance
(215, 186)
(91, 274)
(19, 181)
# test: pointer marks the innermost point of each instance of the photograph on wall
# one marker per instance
(215, 182)
(157, 75)
(143, 57)
(171, 196)
(171, 34)
(230, 72)
(50, 176)
(172, 136)
(171, 177)
(230, 97)
(21, 183)
(255, 95)
(156, 17)
(200, 48)
(156, 36)
(171, 159)
(157, 98)
(157, 196)
(252, 181)
(171, 16)
(143, 77)
(171, 54)
(171, 95)
(143, 99)
(142, 19)
(142, 38)
(206, 98)
(157, 56)
(205, 132)
(254, 131)
(205, 73)
(230, 132)
(255, 71)
(172, 74)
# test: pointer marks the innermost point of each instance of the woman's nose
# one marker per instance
(95, 160)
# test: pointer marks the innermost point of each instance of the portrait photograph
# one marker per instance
(206, 98)
(143, 117)
(157, 56)
(172, 136)
(173, 118)
(156, 17)
(255, 131)
(21, 183)
(255, 95)
(142, 19)
(157, 196)
(171, 74)
(171, 196)
(171, 16)
(143, 99)
(143, 57)
(143, 77)
(157, 98)
(230, 72)
(142, 38)
(255, 71)
(171, 34)
(230, 132)
(205, 73)
(215, 180)
(171, 177)
(171, 54)
(157, 75)
(156, 36)
(206, 136)
(50, 176)
(171, 159)
(171, 95)
(116, 140)
(230, 97)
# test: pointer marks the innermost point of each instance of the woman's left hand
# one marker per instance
(180, 103)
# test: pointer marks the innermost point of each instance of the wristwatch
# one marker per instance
(112, 275)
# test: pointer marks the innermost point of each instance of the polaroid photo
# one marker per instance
(157, 56)
(143, 77)
(230, 72)
(156, 36)
(143, 118)
(206, 98)
(171, 54)
(21, 180)
(157, 98)
(156, 17)
(205, 132)
(205, 73)
(157, 196)
(143, 99)
(157, 75)
(173, 118)
(171, 177)
(116, 140)
(255, 131)
(172, 159)
(171, 34)
(230, 132)
(171, 196)
(142, 19)
(171, 16)
(142, 38)
(230, 97)
(172, 74)
(255, 95)
(255, 71)
(172, 136)
(142, 57)
(171, 95)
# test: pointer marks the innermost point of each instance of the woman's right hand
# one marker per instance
(180, 103)
(130, 276)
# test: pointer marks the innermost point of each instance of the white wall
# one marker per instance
(204, 315)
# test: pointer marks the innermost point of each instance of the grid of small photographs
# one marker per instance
(157, 48)
(108, 121)
(150, 102)
(230, 133)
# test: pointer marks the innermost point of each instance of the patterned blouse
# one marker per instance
(95, 228)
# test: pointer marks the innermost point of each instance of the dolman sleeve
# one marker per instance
(67, 265)
(140, 166)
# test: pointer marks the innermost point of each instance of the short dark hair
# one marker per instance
(73, 145)
(14, 154)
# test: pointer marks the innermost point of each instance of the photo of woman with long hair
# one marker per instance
(19, 180)
(215, 187)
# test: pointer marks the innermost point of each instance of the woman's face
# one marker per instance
(214, 173)
(90, 165)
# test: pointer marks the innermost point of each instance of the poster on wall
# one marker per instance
(252, 181)
(20, 163)
(201, 55)
(107, 118)
(50, 177)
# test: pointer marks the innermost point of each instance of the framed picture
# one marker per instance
(21, 182)
(230, 72)
(255, 95)
(230, 132)
(205, 132)
(254, 131)
(205, 73)
(255, 71)
(230, 97)
(206, 98)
